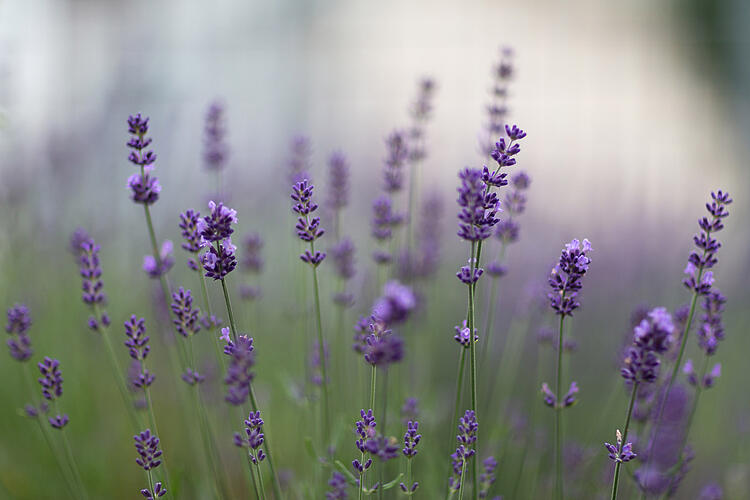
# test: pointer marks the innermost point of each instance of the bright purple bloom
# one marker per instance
(186, 318)
(215, 149)
(189, 222)
(58, 421)
(147, 446)
(338, 486)
(651, 337)
(51, 382)
(338, 181)
(466, 276)
(239, 372)
(620, 452)
(365, 430)
(253, 438)
(411, 439)
(91, 273)
(308, 229)
(395, 305)
(219, 260)
(395, 160)
(697, 278)
(217, 225)
(19, 322)
(159, 491)
(138, 348)
(463, 335)
(479, 207)
(565, 278)
(467, 430)
(144, 187)
(155, 268)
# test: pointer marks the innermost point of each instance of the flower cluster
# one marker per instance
(711, 329)
(566, 277)
(156, 266)
(19, 322)
(479, 206)
(381, 346)
(51, 382)
(138, 348)
(215, 149)
(652, 337)
(342, 254)
(487, 478)
(395, 305)
(253, 439)
(463, 335)
(411, 439)
(186, 318)
(420, 112)
(338, 180)
(504, 155)
(308, 229)
(219, 260)
(191, 234)
(91, 274)
(514, 203)
(551, 400)
(144, 188)
(697, 277)
(620, 452)
(217, 225)
(147, 446)
(365, 430)
(239, 373)
(398, 153)
(467, 436)
(497, 110)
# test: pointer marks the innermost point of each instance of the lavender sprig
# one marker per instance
(149, 458)
(338, 193)
(365, 430)
(19, 322)
(253, 442)
(467, 437)
(411, 440)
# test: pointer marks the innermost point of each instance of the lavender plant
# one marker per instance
(149, 458)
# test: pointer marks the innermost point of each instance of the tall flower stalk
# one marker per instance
(565, 281)
(309, 230)
(149, 458)
(252, 441)
(651, 338)
(215, 148)
(699, 280)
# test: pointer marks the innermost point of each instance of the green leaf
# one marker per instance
(394, 482)
(346, 472)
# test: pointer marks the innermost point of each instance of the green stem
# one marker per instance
(152, 417)
(274, 477)
(473, 373)
(150, 480)
(321, 353)
(373, 379)
(624, 440)
(232, 324)
(260, 478)
(71, 460)
(207, 306)
(558, 415)
(463, 476)
(408, 477)
(383, 422)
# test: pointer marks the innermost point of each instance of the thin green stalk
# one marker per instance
(152, 417)
(274, 476)
(260, 477)
(150, 480)
(624, 440)
(321, 353)
(558, 415)
(207, 307)
(71, 460)
(232, 324)
(491, 311)
(383, 424)
(473, 374)
(463, 476)
(457, 404)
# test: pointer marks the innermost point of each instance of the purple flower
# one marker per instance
(186, 318)
(709, 378)
(565, 278)
(466, 276)
(91, 273)
(711, 329)
(620, 452)
(365, 430)
(338, 180)
(189, 222)
(51, 379)
(192, 377)
(58, 421)
(338, 486)
(155, 268)
(395, 305)
(395, 160)
(217, 225)
(239, 373)
(467, 430)
(219, 260)
(463, 335)
(252, 261)
(551, 400)
(651, 337)
(308, 229)
(382, 447)
(159, 491)
(144, 188)
(705, 258)
(138, 348)
(342, 254)
(215, 149)
(479, 207)
(411, 439)
(76, 238)
(487, 478)
(299, 162)
(147, 446)
(19, 322)
(253, 438)
(383, 347)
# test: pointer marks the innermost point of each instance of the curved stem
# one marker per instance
(624, 440)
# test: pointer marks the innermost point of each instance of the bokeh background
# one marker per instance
(635, 111)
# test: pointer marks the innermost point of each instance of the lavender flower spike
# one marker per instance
(411, 440)
(144, 187)
(51, 382)
(565, 278)
(467, 430)
(156, 268)
(239, 372)
(189, 224)
(479, 207)
(215, 149)
(138, 348)
(308, 228)
(19, 322)
(93, 287)
(147, 446)
(620, 452)
(253, 439)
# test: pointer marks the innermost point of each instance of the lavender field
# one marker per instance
(339, 250)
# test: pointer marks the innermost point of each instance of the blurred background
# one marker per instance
(634, 111)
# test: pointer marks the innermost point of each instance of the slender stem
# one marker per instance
(274, 477)
(152, 417)
(463, 474)
(260, 477)
(491, 310)
(207, 307)
(251, 468)
(383, 422)
(321, 353)
(373, 378)
(624, 440)
(558, 416)
(473, 367)
(232, 324)
(71, 460)
(408, 477)
(457, 404)
(150, 480)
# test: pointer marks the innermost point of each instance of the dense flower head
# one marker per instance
(697, 278)
(254, 437)
(382, 347)
(619, 452)
(365, 429)
(189, 222)
(219, 260)
(411, 439)
(215, 149)
(711, 329)
(19, 322)
(384, 219)
(467, 436)
(463, 335)
(338, 487)
(138, 348)
(186, 317)
(487, 477)
(566, 277)
(299, 160)
(147, 446)
(469, 275)
(338, 181)
(239, 372)
(478, 206)
(217, 225)
(156, 267)
(252, 261)
(342, 254)
(51, 379)
(504, 155)
(138, 128)
(397, 154)
(395, 305)
(144, 188)
(91, 272)
(654, 333)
